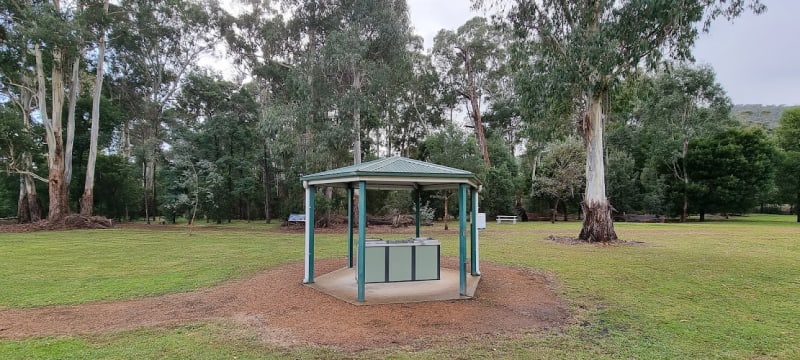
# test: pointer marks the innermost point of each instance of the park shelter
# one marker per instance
(394, 173)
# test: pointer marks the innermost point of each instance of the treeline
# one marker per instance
(323, 84)
(767, 116)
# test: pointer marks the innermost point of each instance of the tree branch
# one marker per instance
(13, 170)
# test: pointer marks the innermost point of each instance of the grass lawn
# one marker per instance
(722, 289)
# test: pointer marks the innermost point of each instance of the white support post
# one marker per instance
(477, 234)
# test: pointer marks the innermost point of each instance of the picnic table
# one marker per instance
(501, 218)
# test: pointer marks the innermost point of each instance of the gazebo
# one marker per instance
(394, 173)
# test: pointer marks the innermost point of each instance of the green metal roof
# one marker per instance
(395, 169)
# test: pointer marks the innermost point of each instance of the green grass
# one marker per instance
(727, 289)
(71, 267)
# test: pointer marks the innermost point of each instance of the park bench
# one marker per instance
(297, 219)
(511, 218)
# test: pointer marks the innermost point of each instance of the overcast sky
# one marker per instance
(756, 58)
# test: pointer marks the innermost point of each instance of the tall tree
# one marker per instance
(17, 85)
(370, 38)
(577, 50)
(472, 60)
(682, 104)
(788, 134)
(53, 31)
(155, 44)
(561, 177)
(451, 147)
(730, 169)
(87, 199)
(421, 109)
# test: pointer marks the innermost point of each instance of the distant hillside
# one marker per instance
(765, 115)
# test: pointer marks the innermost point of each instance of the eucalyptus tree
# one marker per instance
(87, 199)
(153, 46)
(298, 124)
(18, 88)
(17, 146)
(369, 39)
(575, 52)
(421, 105)
(51, 32)
(472, 61)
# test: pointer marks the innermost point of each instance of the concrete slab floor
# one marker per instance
(342, 285)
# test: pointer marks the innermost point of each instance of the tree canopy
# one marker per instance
(544, 101)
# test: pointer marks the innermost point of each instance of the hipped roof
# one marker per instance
(395, 173)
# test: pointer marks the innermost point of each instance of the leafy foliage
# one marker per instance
(730, 169)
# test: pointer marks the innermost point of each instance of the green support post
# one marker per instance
(349, 226)
(416, 220)
(462, 239)
(362, 235)
(310, 203)
(473, 233)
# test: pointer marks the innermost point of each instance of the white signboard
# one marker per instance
(481, 221)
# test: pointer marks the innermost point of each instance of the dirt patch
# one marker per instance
(285, 313)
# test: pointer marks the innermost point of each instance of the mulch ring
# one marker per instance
(284, 312)
(70, 222)
(569, 240)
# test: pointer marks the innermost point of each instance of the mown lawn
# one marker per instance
(721, 289)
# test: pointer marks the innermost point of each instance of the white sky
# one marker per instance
(756, 58)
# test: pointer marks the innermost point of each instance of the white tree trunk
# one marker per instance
(28, 209)
(58, 208)
(87, 200)
(597, 220)
(357, 78)
(476, 109)
(74, 89)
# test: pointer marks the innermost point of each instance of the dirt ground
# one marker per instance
(286, 313)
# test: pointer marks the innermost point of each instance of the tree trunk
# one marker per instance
(797, 204)
(702, 215)
(533, 172)
(598, 225)
(87, 200)
(329, 197)
(28, 209)
(58, 208)
(74, 88)
(685, 212)
(23, 213)
(266, 186)
(154, 200)
(144, 191)
(446, 198)
(476, 110)
(357, 120)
